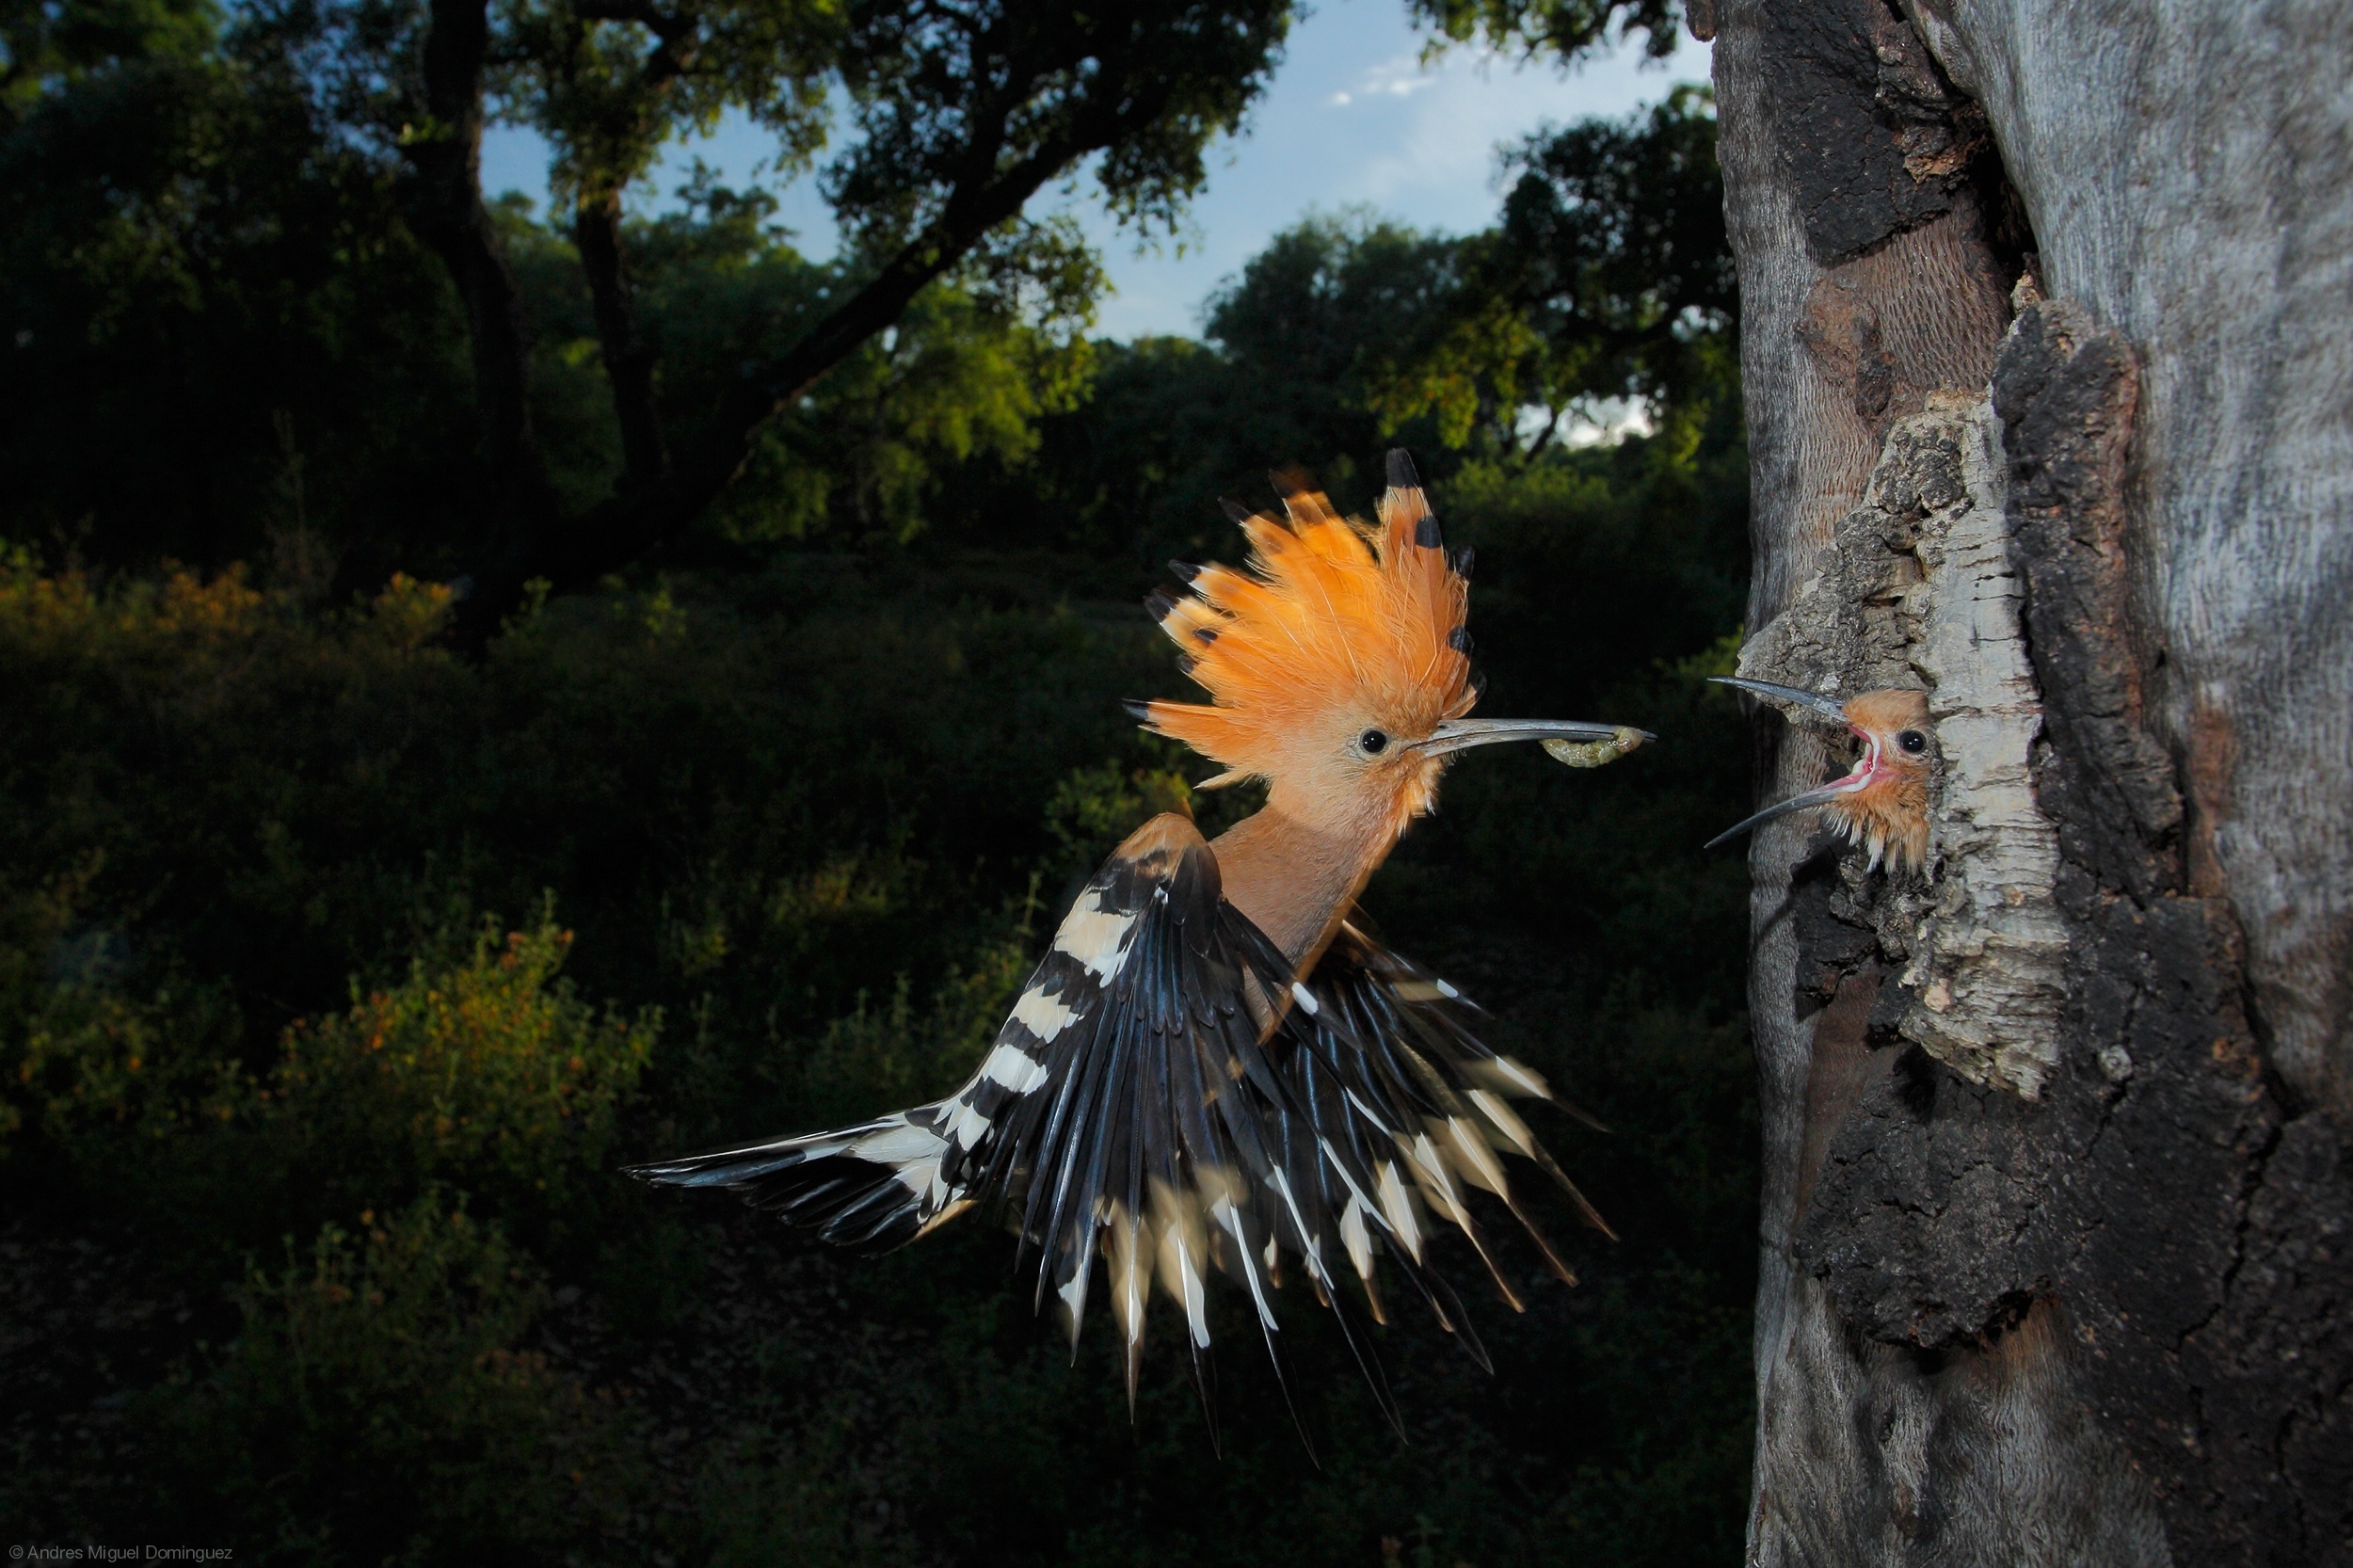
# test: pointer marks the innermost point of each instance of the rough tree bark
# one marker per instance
(2047, 316)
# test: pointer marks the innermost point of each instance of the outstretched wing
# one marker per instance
(882, 1183)
(1165, 1100)
(1408, 1111)
(1120, 1115)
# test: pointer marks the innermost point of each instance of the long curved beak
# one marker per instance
(1462, 734)
(1822, 797)
(1829, 707)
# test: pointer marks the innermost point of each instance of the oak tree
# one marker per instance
(959, 114)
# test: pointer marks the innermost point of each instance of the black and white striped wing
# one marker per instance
(1121, 1117)
(868, 1188)
(1164, 1101)
(1409, 1111)
(1138, 1139)
(882, 1183)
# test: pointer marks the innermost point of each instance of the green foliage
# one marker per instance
(1299, 346)
(485, 1072)
(191, 266)
(961, 116)
(960, 377)
(1609, 278)
(821, 818)
(1305, 325)
(810, 810)
(93, 1066)
(220, 344)
(383, 1400)
(800, 1508)
(246, 304)
(1606, 290)
(899, 1053)
(749, 817)
(1566, 29)
(45, 47)
(608, 89)
(924, 80)
(1094, 809)
(77, 1055)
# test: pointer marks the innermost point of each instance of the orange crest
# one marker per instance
(1334, 622)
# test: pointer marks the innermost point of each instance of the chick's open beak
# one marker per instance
(1812, 702)
(1462, 734)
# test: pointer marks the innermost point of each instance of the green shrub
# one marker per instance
(802, 1508)
(485, 1072)
(382, 1405)
(824, 814)
(94, 1066)
(107, 1088)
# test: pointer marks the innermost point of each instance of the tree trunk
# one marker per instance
(628, 359)
(569, 552)
(2047, 316)
(445, 204)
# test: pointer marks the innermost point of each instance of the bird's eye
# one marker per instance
(1374, 742)
(1913, 741)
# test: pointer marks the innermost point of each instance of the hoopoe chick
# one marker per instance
(1212, 1069)
(1883, 803)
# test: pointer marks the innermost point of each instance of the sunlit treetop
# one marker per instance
(950, 96)
(1609, 278)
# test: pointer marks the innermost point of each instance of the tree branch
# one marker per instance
(572, 553)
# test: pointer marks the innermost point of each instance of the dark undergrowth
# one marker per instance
(338, 977)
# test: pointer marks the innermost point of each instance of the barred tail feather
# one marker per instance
(868, 1188)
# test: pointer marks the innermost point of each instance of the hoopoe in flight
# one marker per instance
(1882, 802)
(1212, 1068)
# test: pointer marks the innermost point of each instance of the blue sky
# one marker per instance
(1353, 119)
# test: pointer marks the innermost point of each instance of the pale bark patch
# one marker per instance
(1920, 590)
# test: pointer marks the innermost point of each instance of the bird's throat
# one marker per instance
(1295, 879)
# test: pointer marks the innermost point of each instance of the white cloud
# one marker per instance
(1400, 76)
(1437, 161)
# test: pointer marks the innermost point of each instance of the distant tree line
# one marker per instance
(256, 307)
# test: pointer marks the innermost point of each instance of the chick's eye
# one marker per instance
(1373, 742)
(1913, 741)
